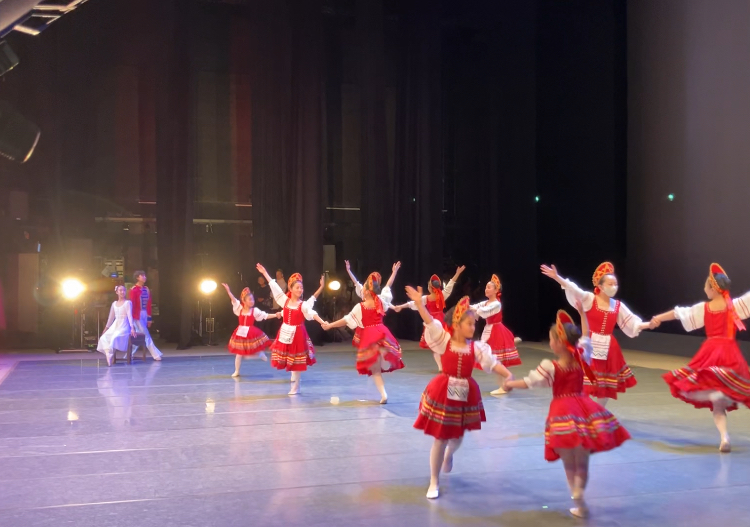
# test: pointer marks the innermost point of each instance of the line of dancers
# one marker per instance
(588, 370)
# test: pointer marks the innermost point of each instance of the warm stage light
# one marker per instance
(72, 288)
(207, 287)
(334, 285)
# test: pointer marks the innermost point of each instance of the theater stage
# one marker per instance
(182, 443)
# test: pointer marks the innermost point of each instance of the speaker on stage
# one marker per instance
(18, 135)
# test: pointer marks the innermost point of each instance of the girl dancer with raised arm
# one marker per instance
(386, 294)
(452, 401)
(576, 425)
(718, 376)
(500, 339)
(119, 327)
(378, 351)
(247, 341)
(603, 313)
(293, 350)
(434, 302)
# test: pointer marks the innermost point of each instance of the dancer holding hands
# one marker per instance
(247, 341)
(452, 402)
(576, 425)
(293, 350)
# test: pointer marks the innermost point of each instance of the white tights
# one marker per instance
(441, 454)
(576, 464)
(720, 419)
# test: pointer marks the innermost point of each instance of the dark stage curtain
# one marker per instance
(378, 250)
(286, 65)
(174, 166)
(417, 191)
(490, 92)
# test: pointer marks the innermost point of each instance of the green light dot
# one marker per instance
(536, 199)
(670, 197)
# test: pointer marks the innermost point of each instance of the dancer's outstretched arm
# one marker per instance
(229, 292)
(415, 295)
(394, 271)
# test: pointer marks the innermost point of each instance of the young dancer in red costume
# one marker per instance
(434, 302)
(500, 339)
(603, 313)
(452, 401)
(293, 350)
(247, 341)
(576, 425)
(378, 351)
(717, 378)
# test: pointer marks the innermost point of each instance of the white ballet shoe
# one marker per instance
(517, 340)
(447, 462)
(579, 512)
(236, 374)
(295, 388)
(433, 493)
(725, 447)
(384, 399)
(263, 357)
(499, 391)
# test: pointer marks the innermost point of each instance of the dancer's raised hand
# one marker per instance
(262, 270)
(551, 272)
(414, 295)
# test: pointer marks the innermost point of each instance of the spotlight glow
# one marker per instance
(670, 197)
(334, 285)
(208, 286)
(72, 288)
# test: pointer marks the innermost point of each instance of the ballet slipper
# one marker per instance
(433, 493)
(499, 391)
(725, 447)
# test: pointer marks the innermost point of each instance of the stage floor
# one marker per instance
(181, 443)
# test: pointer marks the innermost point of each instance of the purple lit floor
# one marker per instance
(181, 443)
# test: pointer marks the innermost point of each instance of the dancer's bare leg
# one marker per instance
(603, 401)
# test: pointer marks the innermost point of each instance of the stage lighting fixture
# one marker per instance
(207, 286)
(536, 199)
(18, 135)
(670, 197)
(8, 59)
(334, 285)
(72, 288)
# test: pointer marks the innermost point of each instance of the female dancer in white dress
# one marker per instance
(119, 327)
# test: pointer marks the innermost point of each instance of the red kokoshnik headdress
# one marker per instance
(734, 319)
(562, 319)
(438, 292)
(604, 269)
(296, 277)
(245, 292)
(498, 286)
(375, 277)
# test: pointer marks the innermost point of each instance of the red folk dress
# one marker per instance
(375, 343)
(718, 372)
(432, 308)
(247, 339)
(496, 335)
(443, 414)
(574, 419)
(292, 350)
(613, 374)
